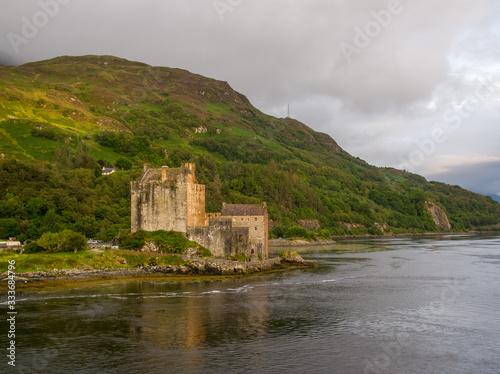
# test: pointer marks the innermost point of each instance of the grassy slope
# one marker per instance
(87, 94)
(110, 259)
(82, 96)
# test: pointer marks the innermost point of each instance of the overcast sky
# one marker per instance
(409, 84)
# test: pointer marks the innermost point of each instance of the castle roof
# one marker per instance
(243, 209)
(151, 175)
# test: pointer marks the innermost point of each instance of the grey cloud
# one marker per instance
(483, 178)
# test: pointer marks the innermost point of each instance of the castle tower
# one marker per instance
(255, 218)
(167, 199)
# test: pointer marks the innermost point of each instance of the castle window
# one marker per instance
(256, 219)
(256, 229)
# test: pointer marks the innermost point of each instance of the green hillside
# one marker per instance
(58, 118)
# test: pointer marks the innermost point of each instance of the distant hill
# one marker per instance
(59, 117)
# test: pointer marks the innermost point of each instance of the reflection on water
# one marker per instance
(403, 305)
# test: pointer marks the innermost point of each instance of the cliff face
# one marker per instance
(439, 216)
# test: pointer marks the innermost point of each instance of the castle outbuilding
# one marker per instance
(171, 199)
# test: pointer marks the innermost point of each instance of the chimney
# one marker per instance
(164, 173)
(147, 167)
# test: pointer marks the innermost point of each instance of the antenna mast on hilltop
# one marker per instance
(288, 112)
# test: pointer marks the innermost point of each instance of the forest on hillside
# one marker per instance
(39, 197)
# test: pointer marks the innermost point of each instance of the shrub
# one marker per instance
(205, 252)
(325, 233)
(297, 232)
(64, 241)
(300, 232)
(375, 231)
(49, 241)
(279, 231)
(288, 255)
(31, 248)
(167, 241)
(338, 231)
(72, 241)
(357, 231)
(9, 227)
(240, 257)
(123, 163)
(46, 131)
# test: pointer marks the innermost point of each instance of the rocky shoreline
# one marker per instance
(197, 267)
(297, 243)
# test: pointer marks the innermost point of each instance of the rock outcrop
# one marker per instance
(439, 216)
(149, 246)
(309, 224)
(291, 257)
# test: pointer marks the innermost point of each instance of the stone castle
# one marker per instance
(171, 199)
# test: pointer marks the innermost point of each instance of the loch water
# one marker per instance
(427, 304)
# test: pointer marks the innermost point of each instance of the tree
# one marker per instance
(49, 241)
(64, 241)
(32, 247)
(38, 207)
(72, 241)
(83, 158)
(418, 198)
(236, 184)
(51, 221)
(8, 227)
(123, 164)
(62, 157)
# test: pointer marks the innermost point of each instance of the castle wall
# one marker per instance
(221, 237)
(258, 233)
(159, 206)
